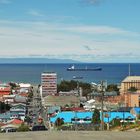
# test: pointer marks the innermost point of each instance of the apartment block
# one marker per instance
(49, 83)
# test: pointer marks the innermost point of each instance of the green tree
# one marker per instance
(30, 95)
(96, 117)
(4, 107)
(23, 128)
(115, 122)
(132, 89)
(112, 87)
(13, 85)
(59, 122)
(71, 85)
(67, 85)
(28, 119)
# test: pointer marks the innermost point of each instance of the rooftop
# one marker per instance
(132, 79)
(61, 100)
(68, 115)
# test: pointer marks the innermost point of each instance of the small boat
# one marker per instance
(77, 77)
(72, 68)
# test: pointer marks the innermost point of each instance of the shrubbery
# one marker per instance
(23, 128)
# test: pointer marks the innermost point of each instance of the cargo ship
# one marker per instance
(72, 68)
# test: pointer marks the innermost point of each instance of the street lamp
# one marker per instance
(102, 89)
(109, 116)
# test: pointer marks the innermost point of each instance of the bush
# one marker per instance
(23, 128)
(115, 122)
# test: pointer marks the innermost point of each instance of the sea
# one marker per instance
(112, 73)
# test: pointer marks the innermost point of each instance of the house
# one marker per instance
(9, 99)
(20, 99)
(4, 117)
(18, 111)
(15, 122)
(25, 85)
(5, 90)
(136, 112)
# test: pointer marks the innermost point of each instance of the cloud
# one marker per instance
(98, 30)
(87, 47)
(5, 1)
(65, 41)
(92, 2)
(35, 13)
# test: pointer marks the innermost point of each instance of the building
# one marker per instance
(129, 82)
(9, 99)
(49, 83)
(5, 90)
(61, 101)
(18, 111)
(136, 112)
(132, 99)
(86, 117)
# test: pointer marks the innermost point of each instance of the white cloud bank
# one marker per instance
(68, 41)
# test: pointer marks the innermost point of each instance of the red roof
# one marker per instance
(1, 124)
(4, 93)
(77, 109)
(73, 109)
(5, 89)
(16, 121)
(24, 94)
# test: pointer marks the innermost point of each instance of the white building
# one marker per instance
(49, 83)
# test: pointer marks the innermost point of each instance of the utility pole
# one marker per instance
(102, 104)
(129, 70)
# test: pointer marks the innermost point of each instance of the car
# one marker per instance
(8, 130)
(39, 128)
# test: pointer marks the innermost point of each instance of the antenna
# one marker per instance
(129, 72)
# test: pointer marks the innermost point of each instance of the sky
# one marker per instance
(85, 30)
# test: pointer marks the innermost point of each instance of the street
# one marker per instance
(71, 135)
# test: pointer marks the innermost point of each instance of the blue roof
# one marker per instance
(118, 115)
(67, 116)
(137, 110)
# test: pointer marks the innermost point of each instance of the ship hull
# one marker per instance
(95, 69)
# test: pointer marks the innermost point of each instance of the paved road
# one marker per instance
(71, 135)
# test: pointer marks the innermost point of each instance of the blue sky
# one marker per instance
(84, 30)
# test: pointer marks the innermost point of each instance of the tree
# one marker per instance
(28, 119)
(112, 87)
(115, 122)
(132, 89)
(96, 117)
(23, 128)
(4, 107)
(59, 122)
(71, 85)
(30, 95)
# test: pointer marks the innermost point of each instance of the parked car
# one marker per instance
(39, 128)
(8, 130)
